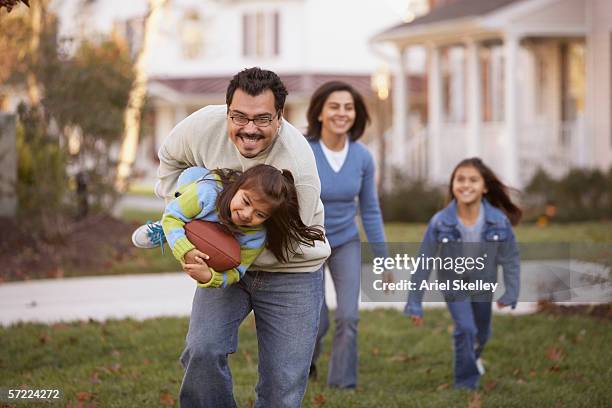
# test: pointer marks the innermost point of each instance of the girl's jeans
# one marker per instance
(472, 330)
(344, 265)
(286, 308)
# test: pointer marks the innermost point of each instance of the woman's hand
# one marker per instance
(387, 277)
(416, 320)
(501, 305)
(196, 267)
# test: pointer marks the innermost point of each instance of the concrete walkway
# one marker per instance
(120, 297)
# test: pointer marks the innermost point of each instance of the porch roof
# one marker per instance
(483, 19)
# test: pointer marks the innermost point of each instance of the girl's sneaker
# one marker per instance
(149, 235)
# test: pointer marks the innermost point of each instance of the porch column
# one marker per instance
(474, 87)
(400, 113)
(434, 113)
(180, 113)
(510, 144)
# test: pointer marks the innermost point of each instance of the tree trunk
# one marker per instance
(33, 87)
(132, 118)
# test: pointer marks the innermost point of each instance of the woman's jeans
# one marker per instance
(472, 330)
(344, 265)
(286, 308)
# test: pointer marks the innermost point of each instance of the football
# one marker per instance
(216, 241)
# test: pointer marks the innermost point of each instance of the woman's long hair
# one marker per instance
(284, 227)
(317, 101)
(497, 192)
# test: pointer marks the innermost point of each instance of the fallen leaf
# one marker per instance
(95, 378)
(44, 339)
(554, 353)
(166, 399)
(516, 372)
(521, 381)
(533, 373)
(83, 396)
(555, 368)
(248, 357)
(375, 351)
(401, 358)
(318, 400)
(146, 362)
(443, 387)
(475, 400)
(490, 385)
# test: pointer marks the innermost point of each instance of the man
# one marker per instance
(286, 298)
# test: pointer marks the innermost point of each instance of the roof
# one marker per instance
(295, 83)
(454, 11)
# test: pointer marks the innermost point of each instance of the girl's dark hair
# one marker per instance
(362, 118)
(497, 192)
(284, 227)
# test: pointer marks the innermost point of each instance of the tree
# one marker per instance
(77, 103)
(132, 117)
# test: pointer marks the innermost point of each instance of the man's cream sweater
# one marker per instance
(201, 139)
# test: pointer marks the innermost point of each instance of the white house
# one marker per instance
(202, 44)
(521, 83)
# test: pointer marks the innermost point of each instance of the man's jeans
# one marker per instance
(286, 308)
(472, 330)
(344, 265)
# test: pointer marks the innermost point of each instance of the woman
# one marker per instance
(337, 117)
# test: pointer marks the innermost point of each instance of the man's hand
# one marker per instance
(196, 267)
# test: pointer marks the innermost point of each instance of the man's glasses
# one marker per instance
(260, 121)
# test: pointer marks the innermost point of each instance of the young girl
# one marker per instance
(480, 211)
(260, 207)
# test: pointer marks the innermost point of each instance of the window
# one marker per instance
(191, 35)
(260, 34)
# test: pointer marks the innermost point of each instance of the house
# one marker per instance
(521, 83)
(202, 44)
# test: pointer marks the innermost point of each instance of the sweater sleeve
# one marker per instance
(196, 201)
(369, 209)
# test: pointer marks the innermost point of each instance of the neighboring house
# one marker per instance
(521, 83)
(202, 44)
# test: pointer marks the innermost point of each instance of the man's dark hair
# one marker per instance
(255, 81)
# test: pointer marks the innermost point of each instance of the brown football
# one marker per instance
(216, 241)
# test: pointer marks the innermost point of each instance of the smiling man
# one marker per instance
(286, 298)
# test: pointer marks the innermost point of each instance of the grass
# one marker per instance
(152, 261)
(571, 232)
(537, 360)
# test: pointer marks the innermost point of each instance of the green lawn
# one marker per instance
(535, 361)
(150, 261)
(572, 232)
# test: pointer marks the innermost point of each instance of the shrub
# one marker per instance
(411, 200)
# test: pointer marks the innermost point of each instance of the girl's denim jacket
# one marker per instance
(497, 240)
